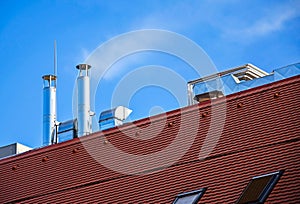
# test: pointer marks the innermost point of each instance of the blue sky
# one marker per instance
(232, 33)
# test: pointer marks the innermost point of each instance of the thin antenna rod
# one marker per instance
(55, 58)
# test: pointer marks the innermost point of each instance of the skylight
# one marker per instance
(259, 188)
(190, 197)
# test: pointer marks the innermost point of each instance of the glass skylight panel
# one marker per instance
(259, 188)
(190, 197)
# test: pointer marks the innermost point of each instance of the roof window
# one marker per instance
(259, 188)
(189, 197)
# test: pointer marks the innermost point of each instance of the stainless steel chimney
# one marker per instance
(49, 108)
(83, 100)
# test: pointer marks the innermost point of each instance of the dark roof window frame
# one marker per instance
(269, 181)
(197, 195)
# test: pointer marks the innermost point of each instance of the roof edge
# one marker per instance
(154, 118)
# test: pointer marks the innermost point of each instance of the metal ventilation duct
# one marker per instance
(67, 130)
(113, 117)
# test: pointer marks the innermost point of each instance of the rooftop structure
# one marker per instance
(13, 149)
(235, 80)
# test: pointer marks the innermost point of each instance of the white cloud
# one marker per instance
(265, 26)
(234, 20)
(273, 19)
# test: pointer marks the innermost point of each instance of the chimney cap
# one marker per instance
(49, 77)
(83, 66)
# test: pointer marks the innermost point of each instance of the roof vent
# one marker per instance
(113, 117)
(65, 131)
(208, 96)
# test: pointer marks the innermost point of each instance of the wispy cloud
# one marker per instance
(236, 20)
(265, 26)
(274, 19)
(233, 20)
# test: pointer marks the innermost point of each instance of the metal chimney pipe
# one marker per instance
(49, 107)
(83, 100)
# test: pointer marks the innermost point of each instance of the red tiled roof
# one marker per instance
(261, 135)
